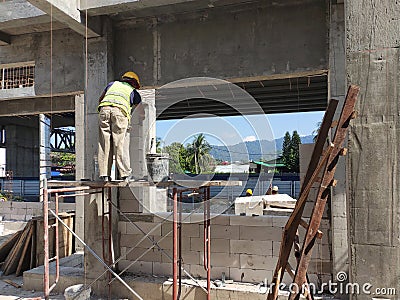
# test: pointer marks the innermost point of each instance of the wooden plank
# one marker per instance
(289, 232)
(33, 248)
(25, 257)
(12, 260)
(324, 192)
(6, 247)
(14, 284)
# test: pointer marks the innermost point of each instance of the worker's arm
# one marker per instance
(102, 96)
(138, 108)
(105, 91)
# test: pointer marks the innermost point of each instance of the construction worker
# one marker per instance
(115, 109)
(249, 193)
(275, 190)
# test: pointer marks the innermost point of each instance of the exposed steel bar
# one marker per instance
(110, 260)
(57, 257)
(175, 246)
(46, 279)
(208, 225)
(180, 244)
(102, 226)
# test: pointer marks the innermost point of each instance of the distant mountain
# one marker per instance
(254, 150)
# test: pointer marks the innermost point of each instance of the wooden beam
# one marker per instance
(315, 220)
(289, 233)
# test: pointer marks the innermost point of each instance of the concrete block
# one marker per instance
(17, 205)
(17, 217)
(225, 232)
(217, 245)
(260, 233)
(251, 220)
(131, 240)
(153, 229)
(263, 262)
(251, 247)
(129, 206)
(223, 260)
(249, 275)
(122, 227)
(143, 254)
(163, 269)
(220, 219)
(191, 257)
(249, 206)
(191, 230)
(140, 267)
(20, 211)
(279, 221)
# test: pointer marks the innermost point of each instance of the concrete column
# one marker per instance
(373, 63)
(99, 73)
(338, 207)
(22, 152)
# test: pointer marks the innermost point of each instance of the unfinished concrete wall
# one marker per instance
(65, 64)
(251, 40)
(372, 53)
(246, 249)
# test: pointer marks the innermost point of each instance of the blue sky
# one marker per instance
(233, 130)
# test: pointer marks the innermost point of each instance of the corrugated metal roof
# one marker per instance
(298, 94)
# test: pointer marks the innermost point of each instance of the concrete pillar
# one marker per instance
(22, 152)
(99, 73)
(373, 63)
(338, 207)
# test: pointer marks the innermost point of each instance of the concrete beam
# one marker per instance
(18, 11)
(4, 39)
(35, 106)
(67, 13)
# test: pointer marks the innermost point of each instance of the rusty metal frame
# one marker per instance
(46, 278)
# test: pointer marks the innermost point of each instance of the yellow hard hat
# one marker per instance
(132, 75)
(249, 191)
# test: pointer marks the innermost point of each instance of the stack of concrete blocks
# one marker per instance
(245, 248)
(143, 141)
(24, 211)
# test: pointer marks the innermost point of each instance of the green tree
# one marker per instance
(286, 152)
(197, 152)
(294, 145)
(175, 151)
(290, 151)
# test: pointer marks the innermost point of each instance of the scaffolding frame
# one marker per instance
(82, 188)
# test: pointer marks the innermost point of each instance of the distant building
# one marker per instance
(232, 168)
(268, 167)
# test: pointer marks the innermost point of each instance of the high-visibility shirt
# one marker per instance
(119, 94)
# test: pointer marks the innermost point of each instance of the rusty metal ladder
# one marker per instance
(324, 160)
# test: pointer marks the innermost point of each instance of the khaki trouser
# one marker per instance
(113, 140)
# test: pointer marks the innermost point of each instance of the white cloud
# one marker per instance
(250, 138)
